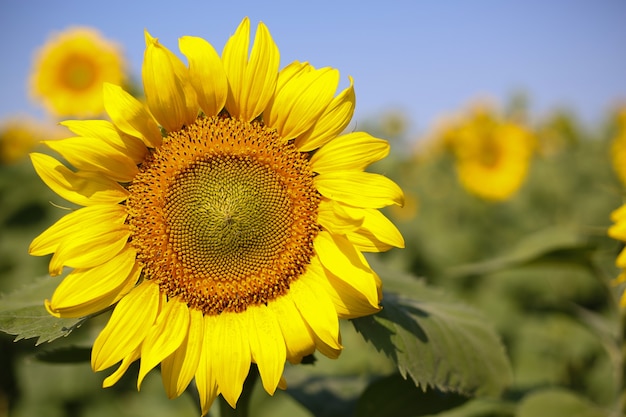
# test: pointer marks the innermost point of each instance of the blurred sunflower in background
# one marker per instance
(19, 135)
(68, 72)
(618, 146)
(618, 231)
(226, 218)
(492, 155)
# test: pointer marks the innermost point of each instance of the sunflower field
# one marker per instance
(505, 299)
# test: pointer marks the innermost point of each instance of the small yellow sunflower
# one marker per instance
(492, 156)
(20, 135)
(618, 147)
(226, 219)
(69, 71)
(618, 232)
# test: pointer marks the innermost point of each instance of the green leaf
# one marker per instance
(438, 342)
(394, 396)
(22, 313)
(556, 402)
(65, 354)
(555, 244)
(326, 396)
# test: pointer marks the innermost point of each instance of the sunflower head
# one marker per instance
(618, 146)
(492, 155)
(225, 218)
(618, 232)
(20, 135)
(69, 70)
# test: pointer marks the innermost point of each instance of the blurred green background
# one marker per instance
(539, 266)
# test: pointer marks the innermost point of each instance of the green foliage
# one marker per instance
(557, 403)
(439, 342)
(394, 396)
(513, 313)
(23, 314)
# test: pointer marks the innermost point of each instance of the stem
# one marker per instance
(243, 404)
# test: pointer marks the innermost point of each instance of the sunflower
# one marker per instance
(492, 155)
(69, 70)
(618, 232)
(226, 218)
(618, 147)
(18, 137)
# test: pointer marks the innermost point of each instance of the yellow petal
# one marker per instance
(91, 128)
(621, 259)
(283, 383)
(179, 368)
(331, 123)
(121, 370)
(618, 230)
(87, 291)
(130, 115)
(292, 70)
(169, 93)
(93, 154)
(252, 82)
(359, 189)
(91, 247)
(340, 257)
(349, 302)
(229, 354)
(128, 326)
(300, 101)
(235, 61)
(82, 188)
(376, 234)
(622, 301)
(205, 375)
(206, 73)
(299, 341)
(317, 310)
(74, 222)
(105, 130)
(354, 151)
(165, 336)
(332, 216)
(267, 345)
(84, 238)
(619, 214)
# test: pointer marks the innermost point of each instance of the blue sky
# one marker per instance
(425, 58)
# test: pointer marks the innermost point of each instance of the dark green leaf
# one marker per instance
(437, 341)
(326, 396)
(22, 313)
(394, 396)
(66, 354)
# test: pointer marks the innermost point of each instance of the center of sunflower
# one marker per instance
(77, 73)
(489, 151)
(224, 215)
(227, 215)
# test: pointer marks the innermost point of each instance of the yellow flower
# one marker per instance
(618, 232)
(17, 138)
(492, 156)
(234, 238)
(618, 147)
(69, 71)
(19, 135)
